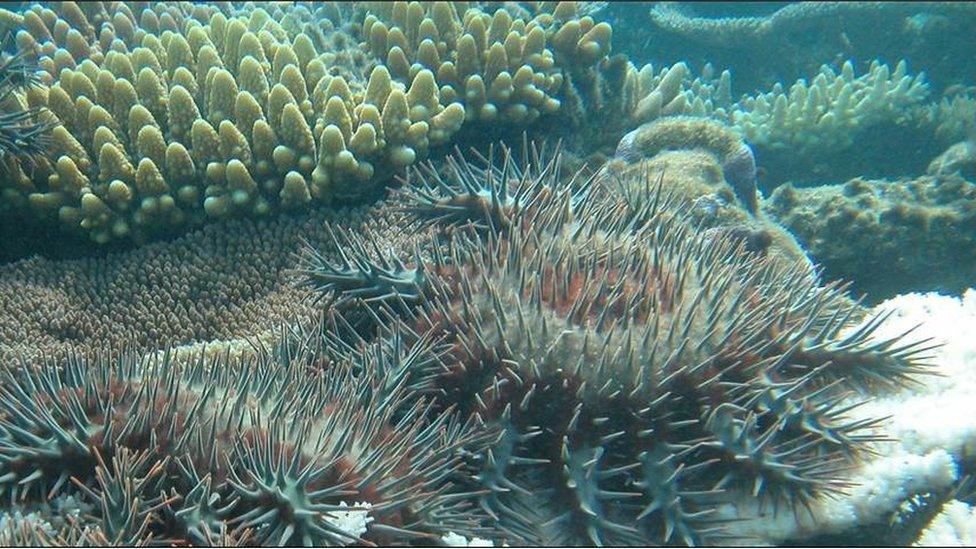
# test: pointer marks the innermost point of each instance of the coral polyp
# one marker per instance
(635, 379)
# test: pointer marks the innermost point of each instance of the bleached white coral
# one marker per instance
(354, 520)
(932, 427)
(457, 540)
(41, 522)
(954, 526)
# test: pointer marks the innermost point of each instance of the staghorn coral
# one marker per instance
(637, 374)
(289, 448)
(887, 237)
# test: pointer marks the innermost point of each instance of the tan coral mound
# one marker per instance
(226, 281)
(695, 179)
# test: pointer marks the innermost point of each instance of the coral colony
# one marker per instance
(454, 273)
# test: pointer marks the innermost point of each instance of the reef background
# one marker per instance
(317, 218)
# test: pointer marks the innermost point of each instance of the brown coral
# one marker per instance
(695, 180)
(225, 281)
(888, 237)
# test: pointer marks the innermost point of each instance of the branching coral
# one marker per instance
(176, 114)
(622, 96)
(24, 133)
(779, 24)
(227, 118)
(804, 35)
(498, 66)
(952, 118)
(636, 378)
(828, 114)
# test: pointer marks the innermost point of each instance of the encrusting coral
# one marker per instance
(634, 372)
(887, 237)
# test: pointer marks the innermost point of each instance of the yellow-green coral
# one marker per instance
(826, 114)
(208, 120)
(498, 66)
(176, 113)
